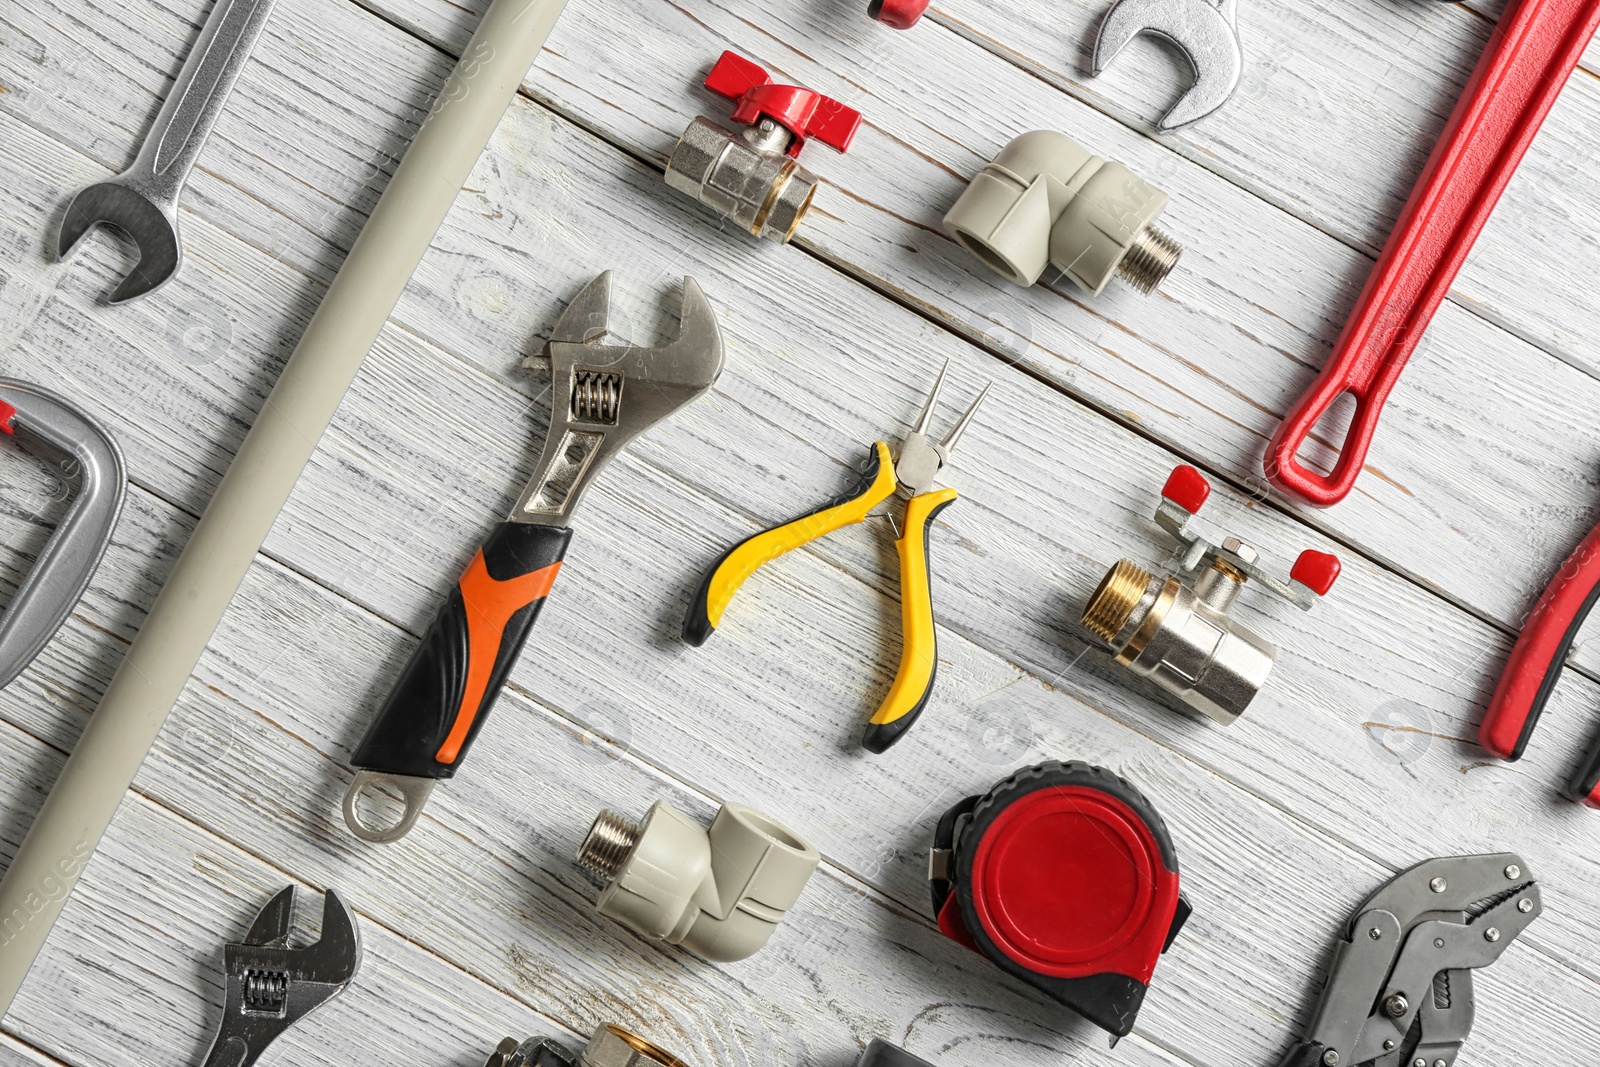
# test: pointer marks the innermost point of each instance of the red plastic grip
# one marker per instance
(1317, 570)
(805, 113)
(7, 413)
(1523, 69)
(1187, 488)
(1541, 648)
(898, 14)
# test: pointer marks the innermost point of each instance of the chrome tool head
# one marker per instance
(75, 445)
(1400, 985)
(1201, 30)
(125, 203)
(271, 986)
(606, 395)
(921, 458)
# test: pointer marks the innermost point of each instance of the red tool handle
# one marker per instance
(803, 112)
(1531, 673)
(1524, 68)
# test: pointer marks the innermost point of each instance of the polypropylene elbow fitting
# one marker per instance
(1045, 200)
(719, 893)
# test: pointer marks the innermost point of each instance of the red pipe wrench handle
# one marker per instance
(1531, 673)
(1524, 68)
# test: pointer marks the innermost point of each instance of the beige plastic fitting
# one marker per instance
(1045, 200)
(719, 893)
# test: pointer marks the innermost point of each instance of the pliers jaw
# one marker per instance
(921, 458)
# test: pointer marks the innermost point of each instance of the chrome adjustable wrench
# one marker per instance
(1526, 64)
(142, 201)
(605, 396)
(271, 986)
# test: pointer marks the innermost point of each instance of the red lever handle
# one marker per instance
(1524, 68)
(803, 112)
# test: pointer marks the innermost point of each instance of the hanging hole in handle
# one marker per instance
(383, 795)
(1315, 452)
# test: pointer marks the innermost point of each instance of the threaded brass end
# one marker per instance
(1149, 260)
(1222, 566)
(607, 845)
(1114, 600)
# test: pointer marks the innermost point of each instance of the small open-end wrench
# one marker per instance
(142, 201)
(1529, 58)
(604, 397)
(1202, 30)
(272, 986)
(53, 430)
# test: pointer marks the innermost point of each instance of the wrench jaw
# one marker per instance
(606, 395)
(271, 987)
(152, 228)
(1202, 32)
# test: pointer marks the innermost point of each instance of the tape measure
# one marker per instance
(1063, 875)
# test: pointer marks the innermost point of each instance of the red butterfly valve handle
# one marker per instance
(750, 175)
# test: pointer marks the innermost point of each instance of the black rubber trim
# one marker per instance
(880, 1053)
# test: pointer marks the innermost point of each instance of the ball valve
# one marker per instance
(1046, 201)
(1173, 627)
(751, 176)
(719, 892)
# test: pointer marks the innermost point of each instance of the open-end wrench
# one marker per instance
(271, 986)
(1524, 68)
(1202, 30)
(56, 432)
(142, 201)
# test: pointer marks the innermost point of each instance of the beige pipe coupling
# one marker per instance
(719, 893)
(610, 1046)
(1046, 201)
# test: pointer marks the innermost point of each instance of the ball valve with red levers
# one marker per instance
(1173, 627)
(751, 175)
(1065, 877)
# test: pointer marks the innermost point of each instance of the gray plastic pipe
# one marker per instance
(236, 523)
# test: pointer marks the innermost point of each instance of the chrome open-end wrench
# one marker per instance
(142, 201)
(1203, 31)
(1532, 52)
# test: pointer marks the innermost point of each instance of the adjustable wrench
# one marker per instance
(272, 986)
(1533, 50)
(604, 397)
(142, 201)
(1202, 30)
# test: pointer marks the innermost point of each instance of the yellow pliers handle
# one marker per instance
(919, 654)
(725, 577)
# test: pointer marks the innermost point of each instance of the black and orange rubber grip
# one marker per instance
(447, 690)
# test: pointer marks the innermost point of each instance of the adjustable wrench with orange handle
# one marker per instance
(1531, 673)
(1536, 45)
(604, 396)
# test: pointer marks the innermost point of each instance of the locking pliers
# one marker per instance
(1399, 990)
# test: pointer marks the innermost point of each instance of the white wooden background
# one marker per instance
(1357, 761)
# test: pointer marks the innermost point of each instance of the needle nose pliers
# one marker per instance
(910, 475)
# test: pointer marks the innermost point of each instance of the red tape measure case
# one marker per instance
(1064, 876)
